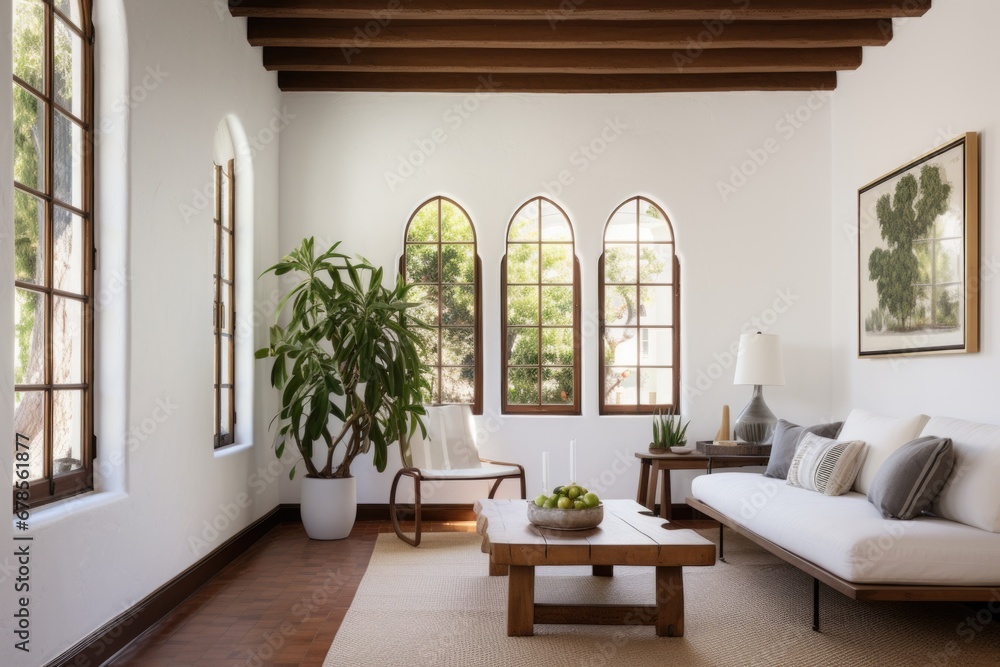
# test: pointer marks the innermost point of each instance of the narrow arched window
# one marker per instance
(640, 304)
(224, 302)
(540, 277)
(53, 249)
(440, 258)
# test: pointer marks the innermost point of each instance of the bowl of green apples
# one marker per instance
(568, 507)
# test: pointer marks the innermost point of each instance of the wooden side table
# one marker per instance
(654, 465)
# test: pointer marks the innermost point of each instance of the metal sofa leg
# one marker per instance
(722, 544)
(816, 605)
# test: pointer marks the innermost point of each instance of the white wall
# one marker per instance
(741, 253)
(925, 88)
(185, 67)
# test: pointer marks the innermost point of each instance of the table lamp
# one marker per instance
(758, 362)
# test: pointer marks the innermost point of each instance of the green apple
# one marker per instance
(564, 503)
(573, 492)
(540, 500)
(549, 504)
(592, 500)
(579, 505)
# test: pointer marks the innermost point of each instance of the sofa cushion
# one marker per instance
(786, 439)
(912, 477)
(884, 435)
(846, 535)
(826, 465)
(972, 494)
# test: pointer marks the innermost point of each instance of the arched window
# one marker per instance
(440, 257)
(53, 249)
(640, 304)
(541, 313)
(224, 289)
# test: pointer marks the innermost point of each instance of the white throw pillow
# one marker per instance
(883, 435)
(824, 465)
(972, 493)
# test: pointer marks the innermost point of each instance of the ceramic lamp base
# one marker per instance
(756, 423)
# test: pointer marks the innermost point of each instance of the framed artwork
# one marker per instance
(918, 255)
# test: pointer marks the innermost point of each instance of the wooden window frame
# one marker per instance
(223, 318)
(541, 408)
(639, 408)
(477, 287)
(52, 487)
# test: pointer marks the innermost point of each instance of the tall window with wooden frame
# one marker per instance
(540, 284)
(53, 250)
(640, 310)
(224, 304)
(440, 258)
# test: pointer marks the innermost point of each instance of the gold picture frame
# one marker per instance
(918, 255)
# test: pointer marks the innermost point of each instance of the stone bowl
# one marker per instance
(565, 519)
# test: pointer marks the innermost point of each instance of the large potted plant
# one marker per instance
(348, 366)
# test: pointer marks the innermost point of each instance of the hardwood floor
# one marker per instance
(278, 605)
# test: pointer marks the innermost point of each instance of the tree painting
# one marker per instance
(912, 274)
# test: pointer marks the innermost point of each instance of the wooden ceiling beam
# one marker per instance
(695, 36)
(618, 10)
(551, 83)
(563, 61)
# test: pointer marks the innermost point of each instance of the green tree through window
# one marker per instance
(440, 257)
(639, 292)
(53, 248)
(541, 312)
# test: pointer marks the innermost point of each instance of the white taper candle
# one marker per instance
(545, 472)
(572, 461)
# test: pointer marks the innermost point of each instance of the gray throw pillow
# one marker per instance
(786, 438)
(912, 477)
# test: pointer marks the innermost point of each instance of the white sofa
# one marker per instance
(843, 541)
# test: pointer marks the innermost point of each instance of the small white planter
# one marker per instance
(329, 507)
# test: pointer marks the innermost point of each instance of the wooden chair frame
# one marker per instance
(419, 476)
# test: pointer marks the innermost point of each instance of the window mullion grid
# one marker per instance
(49, 372)
(638, 304)
(217, 306)
(439, 371)
(231, 192)
(540, 320)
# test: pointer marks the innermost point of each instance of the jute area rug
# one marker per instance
(436, 605)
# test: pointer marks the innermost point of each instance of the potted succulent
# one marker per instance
(668, 431)
(349, 370)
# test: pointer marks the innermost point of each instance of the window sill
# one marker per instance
(49, 515)
(232, 450)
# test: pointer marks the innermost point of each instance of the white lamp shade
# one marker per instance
(758, 360)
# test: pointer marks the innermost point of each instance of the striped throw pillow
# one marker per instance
(826, 466)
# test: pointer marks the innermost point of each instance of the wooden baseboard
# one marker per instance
(102, 644)
(380, 512)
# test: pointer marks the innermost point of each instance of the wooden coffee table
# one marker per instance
(629, 535)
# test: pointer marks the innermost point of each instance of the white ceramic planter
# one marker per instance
(329, 507)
